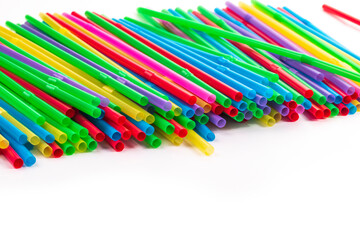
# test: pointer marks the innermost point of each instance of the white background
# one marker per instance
(292, 181)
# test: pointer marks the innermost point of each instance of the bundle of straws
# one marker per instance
(69, 82)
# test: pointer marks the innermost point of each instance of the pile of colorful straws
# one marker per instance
(69, 82)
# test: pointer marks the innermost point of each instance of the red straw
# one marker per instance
(118, 145)
(94, 132)
(344, 111)
(179, 130)
(231, 111)
(12, 157)
(135, 131)
(125, 133)
(341, 14)
(112, 115)
(57, 151)
(217, 108)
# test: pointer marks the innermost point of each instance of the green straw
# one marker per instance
(163, 124)
(203, 119)
(334, 110)
(166, 114)
(83, 132)
(239, 117)
(68, 148)
(153, 141)
(91, 143)
(185, 122)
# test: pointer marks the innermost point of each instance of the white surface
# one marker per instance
(292, 181)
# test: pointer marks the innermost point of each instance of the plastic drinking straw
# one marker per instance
(153, 141)
(164, 125)
(194, 139)
(357, 104)
(179, 129)
(33, 99)
(341, 14)
(240, 105)
(231, 111)
(113, 115)
(198, 73)
(60, 106)
(282, 109)
(90, 142)
(125, 133)
(204, 119)
(31, 137)
(71, 135)
(13, 131)
(185, 122)
(293, 116)
(334, 110)
(352, 108)
(173, 138)
(254, 43)
(80, 146)
(13, 158)
(105, 128)
(117, 82)
(176, 109)
(276, 115)
(267, 121)
(59, 135)
(143, 126)
(217, 108)
(39, 131)
(82, 131)
(135, 131)
(216, 120)
(28, 159)
(266, 109)
(44, 149)
(204, 132)
(67, 148)
(56, 150)
(4, 143)
(118, 145)
(81, 91)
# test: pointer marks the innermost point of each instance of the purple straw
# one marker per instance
(216, 120)
(282, 109)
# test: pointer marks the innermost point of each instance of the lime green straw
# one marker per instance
(166, 114)
(258, 113)
(91, 143)
(68, 148)
(239, 117)
(72, 136)
(83, 132)
(334, 110)
(114, 107)
(153, 141)
(163, 124)
(257, 44)
(185, 122)
(203, 119)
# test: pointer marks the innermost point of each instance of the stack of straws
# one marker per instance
(69, 82)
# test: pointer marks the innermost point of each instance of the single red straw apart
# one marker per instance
(151, 76)
(94, 132)
(57, 151)
(118, 145)
(13, 158)
(341, 14)
(220, 86)
(112, 115)
(293, 116)
(179, 129)
(57, 104)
